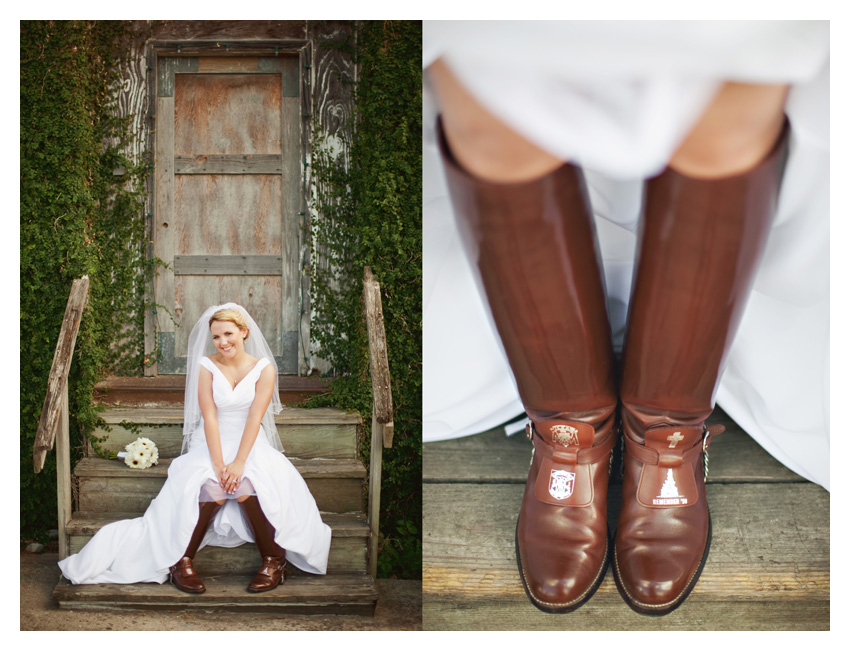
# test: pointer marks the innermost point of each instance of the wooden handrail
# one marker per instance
(382, 397)
(53, 424)
(382, 406)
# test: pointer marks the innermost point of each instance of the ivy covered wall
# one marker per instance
(369, 213)
(81, 214)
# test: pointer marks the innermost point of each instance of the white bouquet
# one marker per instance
(141, 453)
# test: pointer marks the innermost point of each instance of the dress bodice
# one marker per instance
(234, 401)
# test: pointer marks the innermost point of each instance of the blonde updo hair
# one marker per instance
(234, 316)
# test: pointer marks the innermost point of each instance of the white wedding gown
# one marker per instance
(142, 549)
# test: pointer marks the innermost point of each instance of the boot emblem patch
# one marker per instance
(564, 435)
(670, 493)
(561, 484)
(674, 439)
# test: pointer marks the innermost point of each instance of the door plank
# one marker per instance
(260, 295)
(166, 69)
(228, 164)
(226, 114)
(216, 265)
(222, 214)
(227, 64)
(163, 213)
(292, 249)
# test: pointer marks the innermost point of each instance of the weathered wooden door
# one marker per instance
(228, 193)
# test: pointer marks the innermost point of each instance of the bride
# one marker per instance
(231, 484)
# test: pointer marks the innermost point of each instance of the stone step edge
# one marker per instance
(84, 523)
(174, 416)
(308, 593)
(308, 468)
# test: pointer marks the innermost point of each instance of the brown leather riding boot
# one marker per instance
(700, 246)
(535, 248)
(272, 572)
(183, 573)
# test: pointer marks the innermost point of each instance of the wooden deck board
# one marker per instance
(768, 568)
(340, 595)
(608, 612)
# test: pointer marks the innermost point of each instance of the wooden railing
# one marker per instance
(382, 406)
(53, 424)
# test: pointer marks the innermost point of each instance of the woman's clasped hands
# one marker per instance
(230, 476)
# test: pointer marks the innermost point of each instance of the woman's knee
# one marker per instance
(484, 145)
(737, 130)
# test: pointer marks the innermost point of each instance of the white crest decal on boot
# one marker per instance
(670, 493)
(561, 484)
(564, 435)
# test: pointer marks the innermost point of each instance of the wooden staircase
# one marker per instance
(321, 443)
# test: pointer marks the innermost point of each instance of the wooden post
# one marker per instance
(382, 407)
(63, 475)
(375, 467)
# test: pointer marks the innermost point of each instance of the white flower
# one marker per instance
(141, 453)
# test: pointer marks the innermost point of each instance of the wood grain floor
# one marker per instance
(768, 568)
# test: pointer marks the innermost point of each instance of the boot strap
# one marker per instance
(647, 455)
(565, 473)
(578, 456)
(271, 565)
(186, 569)
(667, 475)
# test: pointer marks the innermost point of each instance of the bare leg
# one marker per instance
(482, 144)
(737, 131)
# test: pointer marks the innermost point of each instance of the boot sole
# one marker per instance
(182, 589)
(568, 608)
(663, 609)
(264, 589)
(279, 583)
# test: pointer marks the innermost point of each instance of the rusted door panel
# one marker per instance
(225, 185)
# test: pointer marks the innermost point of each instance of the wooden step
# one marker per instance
(300, 594)
(108, 485)
(347, 554)
(768, 567)
(307, 433)
(170, 389)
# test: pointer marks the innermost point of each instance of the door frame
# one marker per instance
(164, 60)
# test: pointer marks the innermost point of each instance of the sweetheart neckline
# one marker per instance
(242, 379)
